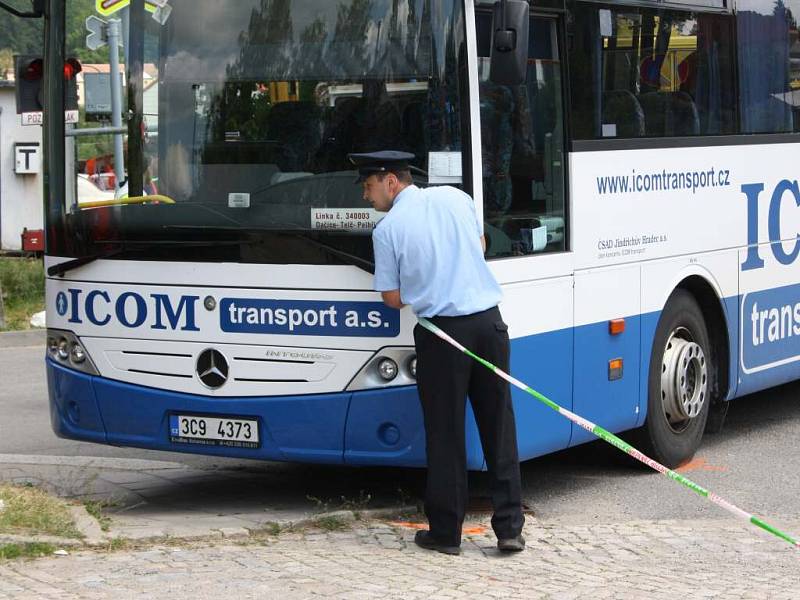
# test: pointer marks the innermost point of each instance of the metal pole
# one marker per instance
(54, 151)
(95, 131)
(114, 36)
(2, 311)
(126, 29)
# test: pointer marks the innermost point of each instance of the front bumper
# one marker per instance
(374, 427)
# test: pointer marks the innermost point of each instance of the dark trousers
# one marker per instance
(445, 377)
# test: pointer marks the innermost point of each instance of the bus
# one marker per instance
(635, 172)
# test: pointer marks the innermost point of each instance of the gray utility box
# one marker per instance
(97, 91)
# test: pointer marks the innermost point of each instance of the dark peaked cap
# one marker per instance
(385, 161)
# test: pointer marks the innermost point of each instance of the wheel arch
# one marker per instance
(712, 306)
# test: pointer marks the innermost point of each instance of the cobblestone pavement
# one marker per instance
(644, 559)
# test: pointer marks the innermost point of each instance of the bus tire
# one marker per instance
(679, 384)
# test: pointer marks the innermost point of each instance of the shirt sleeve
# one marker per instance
(387, 271)
(474, 213)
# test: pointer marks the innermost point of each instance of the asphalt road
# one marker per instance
(752, 463)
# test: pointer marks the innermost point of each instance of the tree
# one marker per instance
(6, 62)
(26, 36)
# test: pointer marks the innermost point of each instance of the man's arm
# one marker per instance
(483, 243)
(392, 299)
(387, 273)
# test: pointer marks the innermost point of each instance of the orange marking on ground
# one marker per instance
(408, 525)
(699, 464)
(477, 530)
(472, 530)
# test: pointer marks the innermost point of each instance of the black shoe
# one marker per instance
(424, 539)
(515, 544)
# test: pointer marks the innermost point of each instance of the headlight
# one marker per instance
(63, 348)
(392, 366)
(387, 369)
(77, 354)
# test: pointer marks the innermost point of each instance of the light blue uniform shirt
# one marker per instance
(428, 246)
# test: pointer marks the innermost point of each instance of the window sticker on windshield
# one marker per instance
(345, 219)
(238, 200)
(606, 23)
(444, 167)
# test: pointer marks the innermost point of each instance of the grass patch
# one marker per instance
(331, 523)
(272, 528)
(25, 550)
(355, 505)
(117, 544)
(95, 508)
(22, 285)
(31, 511)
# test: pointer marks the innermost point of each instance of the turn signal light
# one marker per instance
(616, 326)
(615, 369)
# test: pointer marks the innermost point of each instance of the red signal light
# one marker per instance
(33, 70)
(71, 68)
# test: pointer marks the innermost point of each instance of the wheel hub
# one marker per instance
(684, 380)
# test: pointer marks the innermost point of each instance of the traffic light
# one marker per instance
(30, 90)
(30, 84)
(71, 69)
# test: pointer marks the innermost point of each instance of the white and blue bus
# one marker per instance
(639, 194)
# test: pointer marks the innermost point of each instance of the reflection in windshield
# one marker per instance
(249, 110)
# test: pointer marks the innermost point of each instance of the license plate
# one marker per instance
(214, 431)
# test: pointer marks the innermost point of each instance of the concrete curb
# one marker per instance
(61, 542)
(23, 339)
(94, 537)
(97, 462)
(187, 524)
(344, 516)
(351, 516)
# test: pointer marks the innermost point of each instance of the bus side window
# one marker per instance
(522, 149)
(649, 72)
(769, 65)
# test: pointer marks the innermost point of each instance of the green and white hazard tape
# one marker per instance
(614, 440)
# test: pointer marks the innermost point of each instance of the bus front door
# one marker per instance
(525, 222)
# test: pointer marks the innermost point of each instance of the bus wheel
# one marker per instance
(680, 382)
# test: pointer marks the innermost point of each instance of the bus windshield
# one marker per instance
(240, 116)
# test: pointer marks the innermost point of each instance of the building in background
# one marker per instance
(20, 172)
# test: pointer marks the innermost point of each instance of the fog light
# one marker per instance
(77, 353)
(412, 366)
(387, 369)
(63, 349)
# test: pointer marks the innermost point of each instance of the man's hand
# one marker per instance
(392, 299)
(483, 243)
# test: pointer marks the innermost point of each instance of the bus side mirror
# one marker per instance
(510, 30)
(37, 9)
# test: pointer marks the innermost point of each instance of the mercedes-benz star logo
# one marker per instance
(212, 368)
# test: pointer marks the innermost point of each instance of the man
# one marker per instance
(429, 254)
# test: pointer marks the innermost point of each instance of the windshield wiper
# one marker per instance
(350, 259)
(124, 245)
(356, 261)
